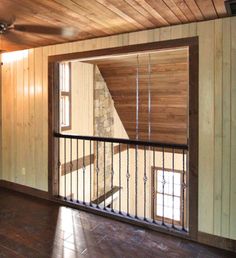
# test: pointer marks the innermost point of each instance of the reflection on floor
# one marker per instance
(30, 227)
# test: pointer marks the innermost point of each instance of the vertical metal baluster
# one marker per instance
(112, 174)
(153, 190)
(187, 191)
(71, 199)
(173, 187)
(77, 171)
(104, 175)
(65, 169)
(120, 179)
(128, 177)
(84, 171)
(97, 170)
(59, 166)
(145, 184)
(163, 185)
(59, 139)
(90, 170)
(183, 190)
(136, 181)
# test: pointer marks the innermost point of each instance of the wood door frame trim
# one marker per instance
(68, 127)
(157, 45)
(193, 44)
(53, 126)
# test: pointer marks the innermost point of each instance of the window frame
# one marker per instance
(155, 192)
(68, 94)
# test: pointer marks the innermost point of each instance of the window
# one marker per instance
(65, 96)
(168, 195)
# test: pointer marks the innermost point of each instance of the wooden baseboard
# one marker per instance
(217, 241)
(203, 238)
(24, 189)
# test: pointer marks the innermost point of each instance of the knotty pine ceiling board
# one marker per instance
(96, 18)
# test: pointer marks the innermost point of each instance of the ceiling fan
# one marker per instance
(9, 31)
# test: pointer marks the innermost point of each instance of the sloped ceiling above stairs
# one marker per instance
(168, 82)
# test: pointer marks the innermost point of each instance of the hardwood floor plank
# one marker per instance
(8, 253)
(41, 229)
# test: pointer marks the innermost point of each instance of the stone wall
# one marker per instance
(103, 127)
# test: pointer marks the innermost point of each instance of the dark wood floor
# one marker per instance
(35, 228)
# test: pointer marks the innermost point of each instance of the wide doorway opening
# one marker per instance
(122, 136)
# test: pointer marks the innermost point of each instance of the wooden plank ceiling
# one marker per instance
(168, 82)
(95, 18)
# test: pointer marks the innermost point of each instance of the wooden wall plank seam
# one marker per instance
(225, 212)
(26, 164)
(233, 133)
(1, 117)
(206, 125)
(218, 127)
(31, 176)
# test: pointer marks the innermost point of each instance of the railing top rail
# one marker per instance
(123, 141)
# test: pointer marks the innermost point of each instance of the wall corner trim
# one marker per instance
(217, 241)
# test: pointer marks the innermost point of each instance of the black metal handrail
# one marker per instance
(123, 141)
(129, 179)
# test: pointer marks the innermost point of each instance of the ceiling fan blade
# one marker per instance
(13, 37)
(7, 20)
(65, 32)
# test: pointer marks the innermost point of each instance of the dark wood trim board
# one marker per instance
(217, 241)
(53, 115)
(25, 189)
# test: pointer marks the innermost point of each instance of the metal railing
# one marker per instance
(138, 180)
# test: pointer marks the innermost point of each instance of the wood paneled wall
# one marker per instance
(24, 114)
(0, 118)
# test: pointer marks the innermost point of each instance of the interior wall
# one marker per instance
(82, 81)
(85, 105)
(25, 114)
(0, 118)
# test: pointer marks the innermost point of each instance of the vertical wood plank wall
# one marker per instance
(0, 118)
(24, 114)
